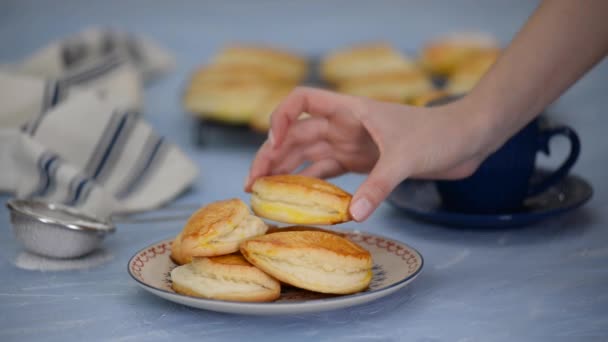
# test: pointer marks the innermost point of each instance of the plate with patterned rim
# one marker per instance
(395, 265)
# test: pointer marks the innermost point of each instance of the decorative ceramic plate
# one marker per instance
(395, 265)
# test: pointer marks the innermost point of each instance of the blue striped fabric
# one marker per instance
(113, 134)
(77, 191)
(119, 143)
(47, 166)
(57, 90)
(49, 100)
(152, 153)
(83, 170)
(88, 74)
(77, 50)
(92, 72)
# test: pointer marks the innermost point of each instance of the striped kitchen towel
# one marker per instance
(74, 134)
(96, 45)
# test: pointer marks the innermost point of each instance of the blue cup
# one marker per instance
(504, 180)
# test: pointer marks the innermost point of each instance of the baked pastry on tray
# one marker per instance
(290, 66)
(297, 199)
(230, 101)
(363, 60)
(399, 86)
(227, 277)
(311, 260)
(466, 76)
(216, 229)
(241, 81)
(425, 98)
(260, 120)
(444, 55)
(233, 73)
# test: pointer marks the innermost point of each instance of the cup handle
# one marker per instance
(562, 171)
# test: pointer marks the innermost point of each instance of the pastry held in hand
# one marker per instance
(227, 277)
(297, 199)
(311, 260)
(216, 229)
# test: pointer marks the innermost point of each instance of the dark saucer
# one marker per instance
(420, 199)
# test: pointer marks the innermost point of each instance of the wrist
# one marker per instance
(483, 125)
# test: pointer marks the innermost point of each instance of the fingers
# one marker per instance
(375, 189)
(317, 151)
(316, 102)
(304, 133)
(287, 132)
(260, 165)
(325, 168)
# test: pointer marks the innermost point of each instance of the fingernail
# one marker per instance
(270, 137)
(360, 209)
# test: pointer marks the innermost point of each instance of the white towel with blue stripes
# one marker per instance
(71, 130)
(93, 47)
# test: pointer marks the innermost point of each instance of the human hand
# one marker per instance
(391, 142)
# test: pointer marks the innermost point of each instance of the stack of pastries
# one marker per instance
(470, 71)
(243, 84)
(461, 59)
(381, 72)
(375, 70)
(227, 252)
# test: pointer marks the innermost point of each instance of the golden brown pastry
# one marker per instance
(396, 87)
(466, 76)
(276, 229)
(216, 229)
(363, 60)
(288, 65)
(228, 277)
(442, 56)
(311, 260)
(241, 81)
(176, 251)
(231, 102)
(232, 73)
(297, 199)
(425, 98)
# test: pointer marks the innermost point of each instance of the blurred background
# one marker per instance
(195, 30)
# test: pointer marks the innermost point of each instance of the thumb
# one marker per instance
(381, 181)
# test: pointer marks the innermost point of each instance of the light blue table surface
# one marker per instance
(544, 282)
